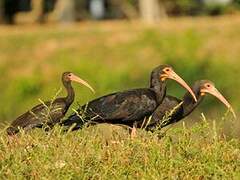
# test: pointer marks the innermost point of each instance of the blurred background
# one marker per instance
(42, 11)
(115, 44)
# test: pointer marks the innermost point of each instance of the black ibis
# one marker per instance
(49, 112)
(128, 106)
(178, 109)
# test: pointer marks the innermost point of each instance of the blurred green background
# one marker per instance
(117, 55)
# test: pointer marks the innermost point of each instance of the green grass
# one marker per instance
(105, 152)
(114, 56)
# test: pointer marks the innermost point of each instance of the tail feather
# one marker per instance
(12, 131)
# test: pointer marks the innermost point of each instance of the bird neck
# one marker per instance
(188, 102)
(158, 86)
(70, 93)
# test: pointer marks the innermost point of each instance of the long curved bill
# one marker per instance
(174, 76)
(79, 80)
(218, 95)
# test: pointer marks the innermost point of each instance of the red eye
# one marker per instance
(208, 85)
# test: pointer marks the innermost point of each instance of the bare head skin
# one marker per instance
(167, 72)
(208, 87)
(69, 76)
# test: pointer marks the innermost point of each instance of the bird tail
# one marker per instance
(12, 130)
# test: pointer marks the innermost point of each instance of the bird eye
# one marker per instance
(167, 69)
(208, 85)
(69, 75)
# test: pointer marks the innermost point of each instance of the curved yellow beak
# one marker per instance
(218, 95)
(172, 75)
(79, 80)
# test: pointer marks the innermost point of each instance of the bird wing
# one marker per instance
(57, 110)
(167, 112)
(126, 106)
(30, 117)
(42, 113)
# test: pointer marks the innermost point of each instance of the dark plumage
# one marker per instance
(48, 113)
(188, 104)
(128, 106)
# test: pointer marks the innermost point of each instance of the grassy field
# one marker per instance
(115, 56)
(107, 152)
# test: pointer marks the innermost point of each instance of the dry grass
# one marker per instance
(106, 151)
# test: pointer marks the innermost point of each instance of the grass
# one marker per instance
(104, 152)
(114, 56)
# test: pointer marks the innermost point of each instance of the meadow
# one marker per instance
(114, 56)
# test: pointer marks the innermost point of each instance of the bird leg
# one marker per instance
(134, 131)
(13, 140)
